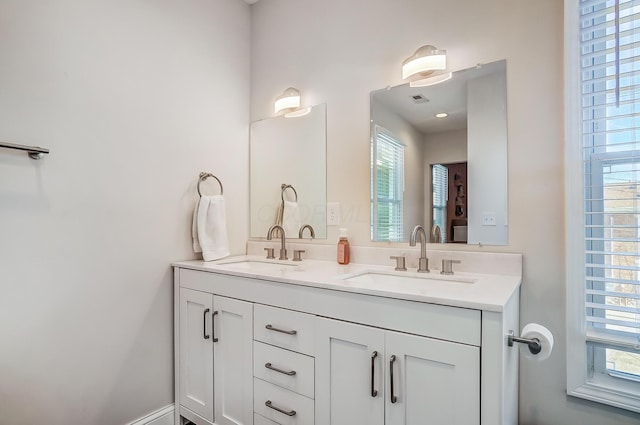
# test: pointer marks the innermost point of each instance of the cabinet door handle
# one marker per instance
(271, 406)
(391, 362)
(288, 373)
(213, 325)
(204, 324)
(374, 392)
(271, 328)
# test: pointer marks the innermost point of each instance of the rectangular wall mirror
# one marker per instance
(290, 152)
(439, 157)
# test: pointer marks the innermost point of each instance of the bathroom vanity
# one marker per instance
(277, 342)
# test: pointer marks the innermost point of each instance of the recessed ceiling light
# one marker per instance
(442, 115)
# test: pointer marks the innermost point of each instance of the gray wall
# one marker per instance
(337, 51)
(134, 98)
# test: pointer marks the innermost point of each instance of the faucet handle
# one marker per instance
(296, 254)
(270, 254)
(400, 262)
(447, 266)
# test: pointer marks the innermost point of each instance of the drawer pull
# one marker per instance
(392, 360)
(374, 392)
(204, 324)
(271, 406)
(288, 373)
(271, 328)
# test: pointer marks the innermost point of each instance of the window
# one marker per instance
(386, 194)
(440, 179)
(603, 157)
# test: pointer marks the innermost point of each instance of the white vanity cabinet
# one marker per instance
(214, 358)
(448, 364)
(370, 376)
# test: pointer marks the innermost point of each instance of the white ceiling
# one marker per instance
(251, 1)
(449, 96)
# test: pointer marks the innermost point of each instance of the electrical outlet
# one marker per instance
(333, 214)
(489, 219)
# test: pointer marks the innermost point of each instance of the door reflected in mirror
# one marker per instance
(439, 158)
(288, 183)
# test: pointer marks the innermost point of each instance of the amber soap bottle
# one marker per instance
(343, 248)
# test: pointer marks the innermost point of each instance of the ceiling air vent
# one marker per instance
(418, 98)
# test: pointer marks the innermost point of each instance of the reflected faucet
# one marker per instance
(312, 233)
(283, 248)
(423, 262)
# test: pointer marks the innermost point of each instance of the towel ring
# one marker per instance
(285, 187)
(203, 177)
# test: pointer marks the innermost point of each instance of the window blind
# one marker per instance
(389, 187)
(440, 178)
(610, 90)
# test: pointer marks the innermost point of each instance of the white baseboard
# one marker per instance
(162, 416)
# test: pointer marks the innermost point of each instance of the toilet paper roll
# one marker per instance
(544, 335)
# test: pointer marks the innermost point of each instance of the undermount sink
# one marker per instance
(257, 265)
(386, 279)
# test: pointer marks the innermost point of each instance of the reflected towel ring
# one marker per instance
(203, 177)
(285, 187)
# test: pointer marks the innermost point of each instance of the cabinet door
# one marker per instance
(196, 352)
(233, 354)
(349, 364)
(435, 382)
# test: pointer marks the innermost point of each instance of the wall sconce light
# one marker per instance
(424, 62)
(429, 81)
(288, 100)
(289, 103)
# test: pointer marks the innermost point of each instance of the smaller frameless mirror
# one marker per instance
(288, 164)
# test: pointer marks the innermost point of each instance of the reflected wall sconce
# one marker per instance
(289, 104)
(424, 62)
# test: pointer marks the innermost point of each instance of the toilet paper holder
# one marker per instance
(534, 343)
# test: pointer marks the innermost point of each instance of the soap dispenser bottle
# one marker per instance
(343, 247)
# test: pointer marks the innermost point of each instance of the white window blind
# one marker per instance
(439, 179)
(387, 192)
(610, 90)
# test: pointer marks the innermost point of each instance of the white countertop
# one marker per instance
(489, 292)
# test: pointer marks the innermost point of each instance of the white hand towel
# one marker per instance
(291, 219)
(194, 228)
(211, 228)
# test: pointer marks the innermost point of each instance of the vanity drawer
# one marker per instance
(286, 361)
(286, 400)
(261, 420)
(288, 329)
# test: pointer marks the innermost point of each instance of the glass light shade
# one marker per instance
(299, 112)
(289, 99)
(429, 81)
(424, 61)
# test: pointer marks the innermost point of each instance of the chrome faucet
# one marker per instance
(283, 248)
(423, 262)
(312, 232)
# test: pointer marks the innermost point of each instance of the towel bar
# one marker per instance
(35, 152)
(285, 187)
(203, 177)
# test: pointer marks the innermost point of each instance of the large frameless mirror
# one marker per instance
(439, 158)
